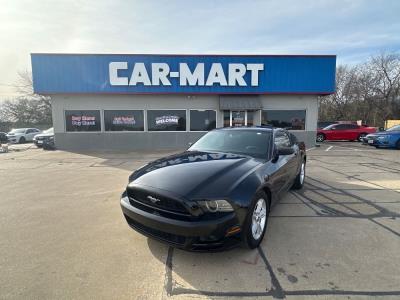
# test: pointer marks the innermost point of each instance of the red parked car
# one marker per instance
(349, 132)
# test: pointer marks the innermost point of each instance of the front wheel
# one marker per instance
(299, 181)
(361, 137)
(256, 221)
(398, 145)
(320, 137)
(22, 140)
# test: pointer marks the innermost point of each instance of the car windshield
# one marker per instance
(254, 143)
(394, 128)
(50, 130)
(21, 130)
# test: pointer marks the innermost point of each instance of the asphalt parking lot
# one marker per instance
(63, 235)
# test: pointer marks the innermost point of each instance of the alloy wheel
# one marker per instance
(259, 219)
(362, 135)
(302, 172)
(320, 138)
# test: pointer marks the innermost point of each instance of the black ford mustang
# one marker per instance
(218, 192)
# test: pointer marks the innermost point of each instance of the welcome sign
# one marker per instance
(183, 74)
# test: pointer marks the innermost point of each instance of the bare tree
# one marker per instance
(27, 107)
(369, 91)
(386, 68)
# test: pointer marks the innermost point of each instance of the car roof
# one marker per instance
(258, 128)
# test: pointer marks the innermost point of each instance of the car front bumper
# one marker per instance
(378, 142)
(189, 235)
(38, 143)
(13, 139)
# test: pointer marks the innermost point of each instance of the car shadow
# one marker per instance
(125, 160)
(309, 241)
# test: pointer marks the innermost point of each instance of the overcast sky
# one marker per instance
(351, 29)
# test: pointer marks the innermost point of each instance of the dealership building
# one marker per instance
(148, 101)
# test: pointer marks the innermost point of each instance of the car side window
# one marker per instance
(29, 131)
(282, 139)
(352, 126)
(340, 127)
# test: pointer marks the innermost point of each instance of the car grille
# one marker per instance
(164, 203)
(178, 240)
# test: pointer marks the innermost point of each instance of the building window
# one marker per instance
(203, 120)
(166, 120)
(290, 119)
(123, 120)
(82, 120)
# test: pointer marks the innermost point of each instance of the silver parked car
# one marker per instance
(22, 135)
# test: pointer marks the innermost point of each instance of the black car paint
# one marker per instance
(44, 138)
(193, 175)
(3, 137)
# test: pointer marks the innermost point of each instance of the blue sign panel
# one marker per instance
(183, 74)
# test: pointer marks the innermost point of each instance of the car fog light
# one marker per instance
(216, 205)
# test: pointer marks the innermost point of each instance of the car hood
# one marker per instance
(194, 174)
(44, 135)
(383, 133)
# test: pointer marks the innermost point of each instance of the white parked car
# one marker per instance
(22, 135)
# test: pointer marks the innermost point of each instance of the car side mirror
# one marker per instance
(278, 151)
(285, 150)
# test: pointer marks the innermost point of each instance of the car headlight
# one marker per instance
(215, 205)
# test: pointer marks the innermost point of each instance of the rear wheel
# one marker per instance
(256, 221)
(299, 181)
(320, 137)
(361, 137)
(22, 140)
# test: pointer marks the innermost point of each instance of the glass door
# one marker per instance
(238, 118)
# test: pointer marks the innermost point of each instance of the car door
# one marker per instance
(30, 133)
(284, 164)
(338, 132)
(292, 159)
(350, 132)
(27, 134)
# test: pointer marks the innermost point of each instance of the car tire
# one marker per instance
(320, 137)
(22, 140)
(299, 181)
(398, 144)
(361, 136)
(256, 221)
